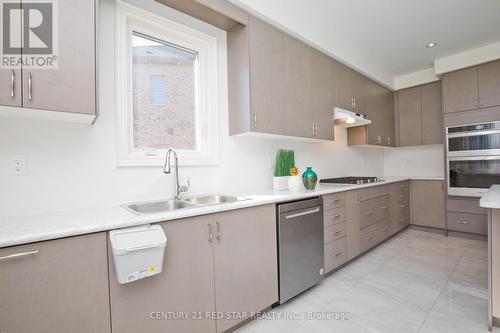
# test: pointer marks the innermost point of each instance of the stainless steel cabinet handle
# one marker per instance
(338, 232)
(354, 102)
(475, 102)
(307, 212)
(30, 87)
(402, 195)
(335, 200)
(384, 207)
(463, 222)
(210, 234)
(218, 230)
(17, 255)
(316, 129)
(481, 101)
(370, 237)
(338, 253)
(13, 83)
(254, 120)
(369, 213)
(337, 216)
(403, 206)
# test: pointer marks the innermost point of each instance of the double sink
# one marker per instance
(172, 205)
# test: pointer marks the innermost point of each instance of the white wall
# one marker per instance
(74, 165)
(420, 161)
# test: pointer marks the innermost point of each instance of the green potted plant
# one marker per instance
(285, 160)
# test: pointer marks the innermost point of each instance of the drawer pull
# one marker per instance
(463, 222)
(370, 237)
(337, 232)
(338, 253)
(402, 195)
(385, 229)
(335, 200)
(18, 255)
(337, 216)
(384, 207)
(403, 206)
(369, 213)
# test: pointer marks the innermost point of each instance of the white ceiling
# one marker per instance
(385, 38)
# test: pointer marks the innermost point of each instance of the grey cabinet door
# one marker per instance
(298, 88)
(322, 92)
(343, 92)
(72, 86)
(62, 288)
(10, 80)
(427, 203)
(460, 90)
(380, 110)
(186, 284)
(358, 88)
(267, 75)
(389, 119)
(432, 116)
(410, 117)
(489, 84)
(246, 264)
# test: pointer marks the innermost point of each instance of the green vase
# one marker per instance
(309, 178)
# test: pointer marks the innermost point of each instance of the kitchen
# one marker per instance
(83, 166)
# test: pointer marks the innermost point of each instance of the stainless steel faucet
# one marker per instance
(166, 169)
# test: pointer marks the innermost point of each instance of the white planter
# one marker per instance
(294, 184)
(280, 183)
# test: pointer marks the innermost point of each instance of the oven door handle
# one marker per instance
(473, 158)
(465, 134)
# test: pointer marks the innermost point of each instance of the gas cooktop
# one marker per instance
(351, 180)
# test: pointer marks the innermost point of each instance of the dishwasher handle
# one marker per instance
(307, 212)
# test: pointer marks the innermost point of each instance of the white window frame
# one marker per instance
(130, 18)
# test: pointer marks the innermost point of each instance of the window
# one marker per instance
(166, 90)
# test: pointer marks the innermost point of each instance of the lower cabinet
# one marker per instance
(186, 284)
(465, 215)
(55, 286)
(427, 203)
(400, 205)
(224, 263)
(246, 271)
(335, 231)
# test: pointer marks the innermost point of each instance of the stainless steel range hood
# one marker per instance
(348, 118)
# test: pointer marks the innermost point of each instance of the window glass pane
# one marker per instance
(164, 95)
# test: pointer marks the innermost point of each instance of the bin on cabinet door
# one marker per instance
(137, 252)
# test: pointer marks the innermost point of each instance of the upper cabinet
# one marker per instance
(380, 110)
(418, 113)
(472, 88)
(71, 86)
(349, 89)
(277, 84)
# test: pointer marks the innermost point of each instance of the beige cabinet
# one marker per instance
(278, 84)
(225, 262)
(246, 271)
(349, 88)
(298, 88)
(400, 205)
(186, 284)
(55, 286)
(71, 87)
(380, 110)
(419, 119)
(472, 88)
(353, 224)
(427, 203)
(322, 88)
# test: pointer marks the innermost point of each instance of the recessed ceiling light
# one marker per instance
(431, 45)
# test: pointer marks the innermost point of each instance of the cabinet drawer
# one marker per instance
(334, 232)
(384, 230)
(466, 206)
(334, 200)
(368, 237)
(334, 216)
(373, 192)
(400, 188)
(374, 210)
(471, 223)
(335, 254)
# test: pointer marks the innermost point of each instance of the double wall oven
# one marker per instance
(473, 158)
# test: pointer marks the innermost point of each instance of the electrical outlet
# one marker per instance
(18, 165)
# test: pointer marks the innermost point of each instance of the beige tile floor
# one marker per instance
(415, 282)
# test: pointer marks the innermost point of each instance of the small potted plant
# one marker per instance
(285, 159)
(294, 181)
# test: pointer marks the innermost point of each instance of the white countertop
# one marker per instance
(24, 229)
(491, 199)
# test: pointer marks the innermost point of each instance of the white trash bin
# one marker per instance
(137, 252)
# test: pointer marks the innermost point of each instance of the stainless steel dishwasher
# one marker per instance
(300, 246)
